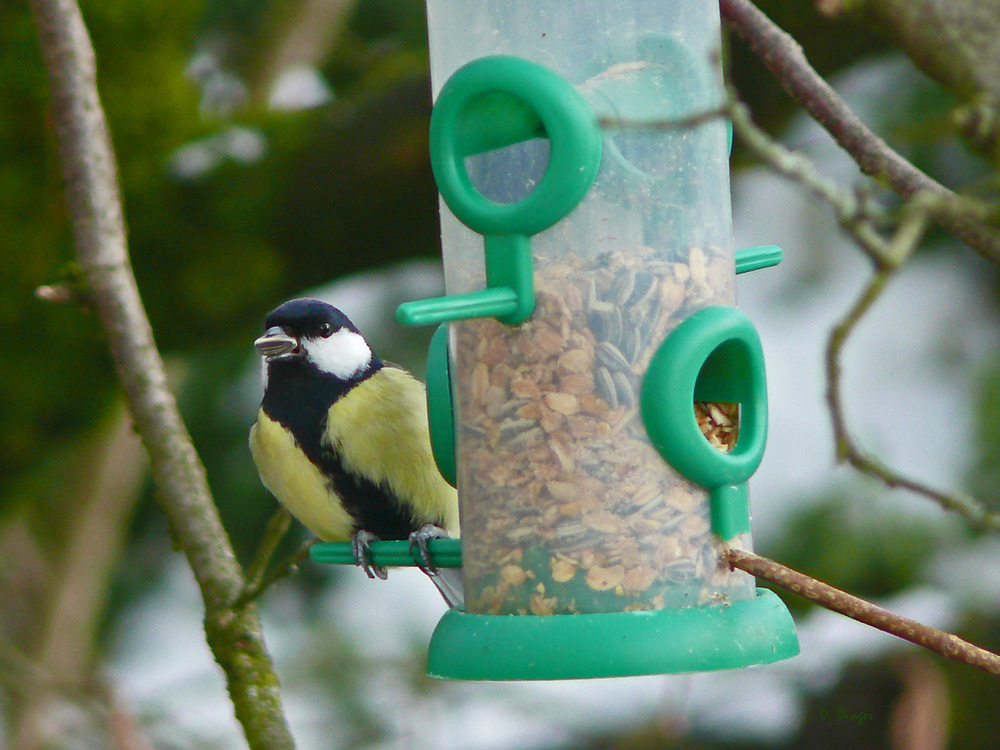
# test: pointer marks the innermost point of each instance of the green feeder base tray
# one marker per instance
(617, 644)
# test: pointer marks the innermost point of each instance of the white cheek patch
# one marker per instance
(343, 355)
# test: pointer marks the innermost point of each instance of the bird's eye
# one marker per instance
(325, 330)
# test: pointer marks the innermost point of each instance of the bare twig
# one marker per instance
(258, 578)
(256, 588)
(20, 675)
(274, 533)
(783, 56)
(887, 255)
(853, 215)
(24, 676)
(847, 448)
(946, 644)
(853, 212)
(93, 196)
(609, 122)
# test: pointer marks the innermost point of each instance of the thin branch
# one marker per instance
(614, 122)
(939, 641)
(20, 675)
(835, 347)
(784, 57)
(24, 676)
(286, 567)
(99, 232)
(124, 731)
(887, 255)
(258, 578)
(847, 448)
(854, 215)
(853, 211)
(274, 533)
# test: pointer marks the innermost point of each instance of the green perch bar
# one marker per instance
(445, 553)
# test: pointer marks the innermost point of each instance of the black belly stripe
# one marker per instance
(374, 507)
(298, 400)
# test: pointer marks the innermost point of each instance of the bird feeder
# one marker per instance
(595, 396)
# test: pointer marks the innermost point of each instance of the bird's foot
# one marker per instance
(418, 542)
(360, 541)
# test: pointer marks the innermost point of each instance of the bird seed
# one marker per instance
(566, 506)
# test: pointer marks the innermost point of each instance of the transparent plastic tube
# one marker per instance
(566, 507)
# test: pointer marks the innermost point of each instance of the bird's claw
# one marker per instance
(418, 542)
(360, 545)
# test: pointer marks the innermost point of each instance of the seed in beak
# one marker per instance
(276, 344)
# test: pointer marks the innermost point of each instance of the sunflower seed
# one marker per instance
(697, 262)
(514, 427)
(569, 528)
(606, 387)
(527, 439)
(475, 430)
(660, 267)
(622, 287)
(643, 290)
(525, 512)
(576, 543)
(610, 356)
(591, 296)
(606, 322)
(521, 534)
(510, 408)
(617, 327)
(632, 344)
(623, 388)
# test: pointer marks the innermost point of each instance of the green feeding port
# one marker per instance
(489, 103)
(440, 408)
(714, 355)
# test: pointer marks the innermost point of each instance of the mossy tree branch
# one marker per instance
(234, 635)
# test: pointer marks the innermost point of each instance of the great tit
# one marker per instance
(342, 441)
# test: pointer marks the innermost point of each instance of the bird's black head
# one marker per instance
(310, 335)
(308, 317)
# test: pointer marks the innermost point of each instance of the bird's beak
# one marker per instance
(276, 344)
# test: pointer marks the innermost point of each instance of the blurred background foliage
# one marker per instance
(236, 200)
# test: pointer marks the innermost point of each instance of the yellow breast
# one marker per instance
(296, 482)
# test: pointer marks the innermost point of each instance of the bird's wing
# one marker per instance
(380, 432)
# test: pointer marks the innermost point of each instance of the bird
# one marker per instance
(342, 440)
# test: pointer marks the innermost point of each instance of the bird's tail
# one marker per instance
(449, 583)
(447, 580)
